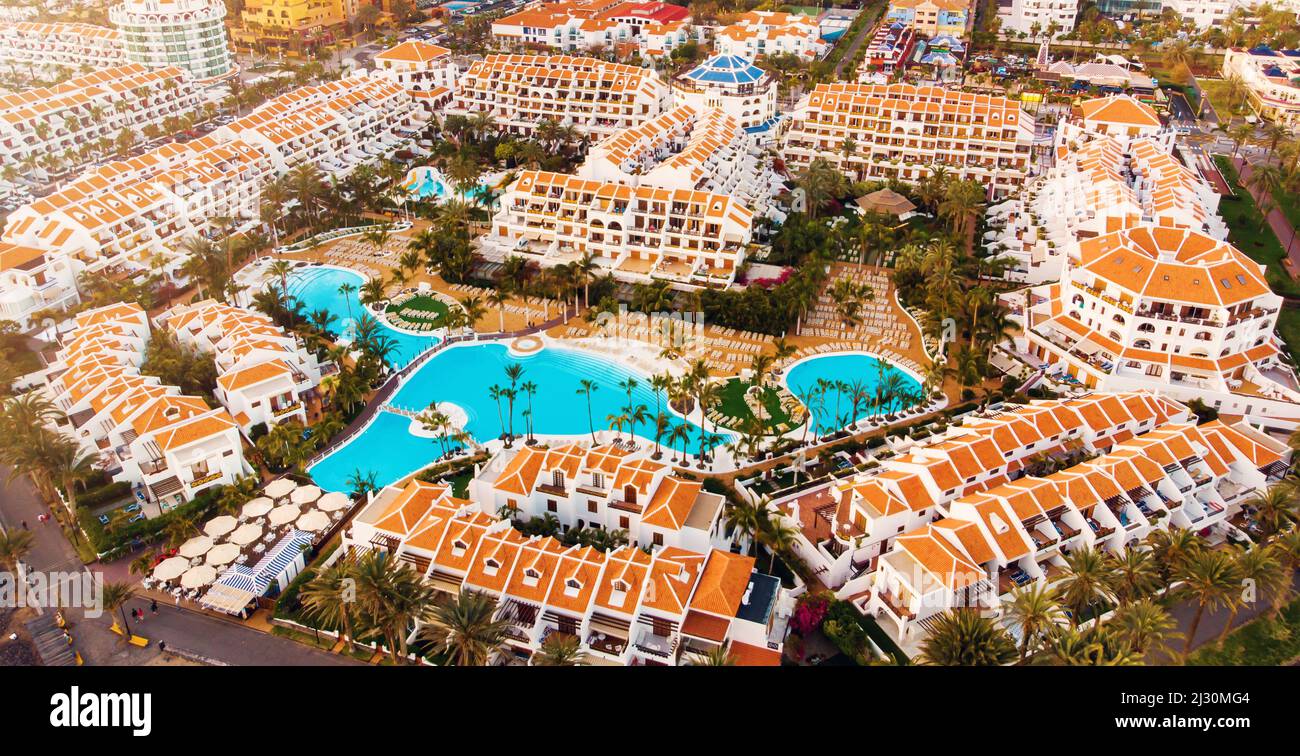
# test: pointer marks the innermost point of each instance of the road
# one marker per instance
(182, 629)
(1212, 622)
(857, 41)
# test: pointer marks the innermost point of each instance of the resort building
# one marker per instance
(189, 34)
(585, 25)
(291, 26)
(660, 39)
(933, 18)
(887, 52)
(1038, 18)
(1121, 116)
(735, 86)
(604, 488)
(1204, 14)
(1165, 309)
(901, 131)
(596, 97)
(117, 217)
(143, 432)
(264, 375)
(1177, 475)
(1270, 79)
(39, 126)
(626, 606)
(33, 47)
(1095, 185)
(426, 71)
(771, 33)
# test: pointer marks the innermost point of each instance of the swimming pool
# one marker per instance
(317, 287)
(847, 368)
(462, 375)
(429, 184)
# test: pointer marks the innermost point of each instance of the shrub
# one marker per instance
(144, 531)
(104, 494)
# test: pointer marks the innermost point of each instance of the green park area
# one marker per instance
(421, 312)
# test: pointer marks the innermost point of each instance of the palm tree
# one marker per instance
(559, 650)
(1094, 646)
(586, 387)
(1275, 508)
(679, 435)
(1210, 578)
(392, 596)
(474, 310)
(329, 598)
(1143, 625)
(1263, 574)
(962, 638)
(1037, 611)
(1086, 582)
(465, 629)
(72, 467)
(14, 547)
(530, 389)
(499, 298)
(114, 596)
(1134, 575)
(718, 656)
(778, 537)
(1171, 549)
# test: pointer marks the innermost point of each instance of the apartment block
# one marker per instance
(33, 47)
(168, 445)
(60, 121)
(116, 218)
(771, 33)
(294, 26)
(1177, 475)
(626, 606)
(426, 71)
(1270, 79)
(586, 25)
(933, 18)
(189, 34)
(846, 525)
(1041, 16)
(888, 50)
(598, 98)
(265, 376)
(901, 131)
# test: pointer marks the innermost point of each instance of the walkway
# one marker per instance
(857, 41)
(1282, 228)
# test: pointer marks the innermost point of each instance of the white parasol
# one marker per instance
(170, 569)
(332, 501)
(197, 576)
(257, 507)
(304, 495)
(314, 521)
(219, 526)
(222, 554)
(196, 546)
(282, 514)
(246, 534)
(279, 488)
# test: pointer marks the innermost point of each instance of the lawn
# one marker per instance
(421, 309)
(1258, 643)
(731, 402)
(1217, 91)
(1247, 230)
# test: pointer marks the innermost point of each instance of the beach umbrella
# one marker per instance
(257, 507)
(282, 514)
(333, 501)
(197, 576)
(170, 569)
(196, 546)
(219, 526)
(313, 521)
(304, 495)
(246, 534)
(222, 554)
(277, 489)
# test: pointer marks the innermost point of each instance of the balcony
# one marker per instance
(896, 606)
(287, 409)
(206, 479)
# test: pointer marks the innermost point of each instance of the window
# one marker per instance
(624, 523)
(658, 539)
(591, 505)
(551, 506)
(557, 479)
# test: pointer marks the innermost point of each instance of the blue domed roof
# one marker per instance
(726, 69)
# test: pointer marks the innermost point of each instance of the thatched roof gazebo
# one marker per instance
(886, 202)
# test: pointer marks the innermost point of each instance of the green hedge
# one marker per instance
(1259, 643)
(104, 494)
(112, 544)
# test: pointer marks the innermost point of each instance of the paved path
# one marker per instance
(1282, 229)
(874, 10)
(1212, 622)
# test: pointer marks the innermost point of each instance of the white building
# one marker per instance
(169, 445)
(584, 26)
(1028, 16)
(89, 112)
(190, 34)
(122, 214)
(264, 375)
(771, 33)
(901, 131)
(626, 606)
(42, 48)
(1205, 14)
(596, 97)
(733, 85)
(426, 71)
(1270, 78)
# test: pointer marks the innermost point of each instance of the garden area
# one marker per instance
(828, 631)
(421, 312)
(1267, 642)
(736, 405)
(1248, 232)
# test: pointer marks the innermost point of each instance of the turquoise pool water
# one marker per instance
(848, 368)
(318, 288)
(461, 375)
(432, 186)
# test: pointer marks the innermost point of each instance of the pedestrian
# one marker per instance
(153, 606)
(135, 615)
(162, 646)
(24, 525)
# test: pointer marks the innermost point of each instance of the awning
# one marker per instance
(444, 582)
(227, 598)
(611, 626)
